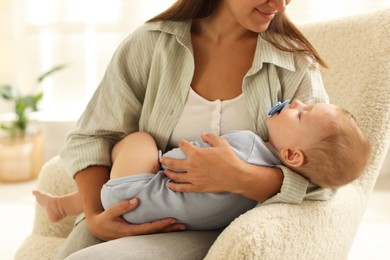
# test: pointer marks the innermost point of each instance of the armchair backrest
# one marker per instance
(357, 50)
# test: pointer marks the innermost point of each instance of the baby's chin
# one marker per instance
(273, 124)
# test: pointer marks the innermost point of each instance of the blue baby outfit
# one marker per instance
(199, 211)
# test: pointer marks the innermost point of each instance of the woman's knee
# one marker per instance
(78, 239)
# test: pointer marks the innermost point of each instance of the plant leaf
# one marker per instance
(5, 127)
(20, 106)
(30, 101)
(51, 71)
(8, 92)
(37, 97)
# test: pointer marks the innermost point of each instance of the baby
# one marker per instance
(322, 142)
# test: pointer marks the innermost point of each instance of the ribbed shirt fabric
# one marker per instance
(204, 116)
(146, 85)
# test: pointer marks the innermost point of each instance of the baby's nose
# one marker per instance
(296, 103)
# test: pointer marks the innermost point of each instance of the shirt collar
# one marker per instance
(180, 29)
(268, 53)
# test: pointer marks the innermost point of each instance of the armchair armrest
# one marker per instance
(46, 237)
(311, 230)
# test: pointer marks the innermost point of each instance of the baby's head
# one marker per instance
(322, 142)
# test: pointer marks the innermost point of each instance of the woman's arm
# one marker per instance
(229, 173)
(109, 224)
(258, 182)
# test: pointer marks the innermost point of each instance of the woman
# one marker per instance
(201, 66)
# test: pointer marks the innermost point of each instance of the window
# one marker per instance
(83, 34)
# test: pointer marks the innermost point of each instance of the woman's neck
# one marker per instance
(221, 27)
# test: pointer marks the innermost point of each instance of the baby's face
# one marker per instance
(299, 125)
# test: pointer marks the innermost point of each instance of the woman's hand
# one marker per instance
(205, 169)
(109, 224)
(218, 169)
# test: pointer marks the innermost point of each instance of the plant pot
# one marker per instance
(21, 157)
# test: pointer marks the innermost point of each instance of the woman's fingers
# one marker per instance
(211, 139)
(177, 176)
(182, 187)
(113, 216)
(121, 208)
(192, 152)
(186, 146)
(174, 164)
(164, 225)
(204, 169)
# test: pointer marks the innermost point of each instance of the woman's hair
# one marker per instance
(340, 157)
(280, 28)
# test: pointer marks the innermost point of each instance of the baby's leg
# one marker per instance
(136, 153)
(58, 207)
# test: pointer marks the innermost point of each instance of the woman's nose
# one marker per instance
(278, 5)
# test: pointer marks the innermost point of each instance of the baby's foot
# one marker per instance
(50, 205)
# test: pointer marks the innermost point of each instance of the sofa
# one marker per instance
(357, 49)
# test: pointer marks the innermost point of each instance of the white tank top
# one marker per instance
(203, 116)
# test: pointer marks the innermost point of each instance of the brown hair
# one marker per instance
(280, 28)
(340, 157)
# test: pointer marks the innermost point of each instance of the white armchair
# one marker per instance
(358, 52)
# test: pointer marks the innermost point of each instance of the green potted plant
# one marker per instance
(21, 139)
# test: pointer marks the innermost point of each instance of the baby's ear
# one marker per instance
(293, 158)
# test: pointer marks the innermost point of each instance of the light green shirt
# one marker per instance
(146, 84)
